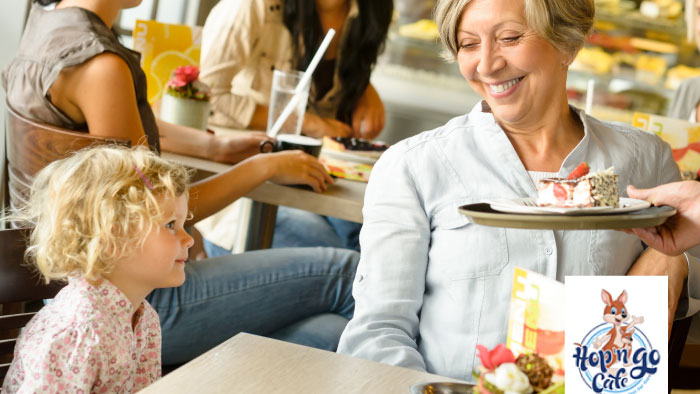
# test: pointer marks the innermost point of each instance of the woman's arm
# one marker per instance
(652, 262)
(226, 149)
(288, 167)
(101, 93)
(390, 280)
(312, 125)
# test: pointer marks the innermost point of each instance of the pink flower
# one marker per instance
(184, 75)
(491, 359)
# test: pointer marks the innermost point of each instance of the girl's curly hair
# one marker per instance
(94, 207)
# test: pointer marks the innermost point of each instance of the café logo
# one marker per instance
(616, 356)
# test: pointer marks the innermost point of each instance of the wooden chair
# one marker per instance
(18, 283)
(683, 360)
(31, 145)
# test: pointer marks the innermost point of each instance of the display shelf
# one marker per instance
(616, 82)
(416, 82)
(634, 22)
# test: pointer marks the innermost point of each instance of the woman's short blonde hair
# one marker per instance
(94, 207)
(564, 23)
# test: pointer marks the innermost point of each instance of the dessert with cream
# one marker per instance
(580, 189)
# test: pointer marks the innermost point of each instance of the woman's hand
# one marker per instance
(369, 115)
(294, 167)
(652, 262)
(235, 148)
(317, 127)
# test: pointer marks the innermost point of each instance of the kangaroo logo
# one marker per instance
(615, 356)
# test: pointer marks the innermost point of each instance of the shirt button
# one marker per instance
(548, 251)
(360, 278)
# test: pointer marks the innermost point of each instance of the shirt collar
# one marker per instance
(579, 153)
(481, 114)
(109, 295)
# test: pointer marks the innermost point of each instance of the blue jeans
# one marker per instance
(298, 228)
(301, 295)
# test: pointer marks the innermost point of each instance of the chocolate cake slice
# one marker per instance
(598, 189)
(358, 146)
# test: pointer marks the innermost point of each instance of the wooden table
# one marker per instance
(343, 199)
(251, 364)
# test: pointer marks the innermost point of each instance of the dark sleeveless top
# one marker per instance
(61, 38)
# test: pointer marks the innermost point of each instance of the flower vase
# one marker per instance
(184, 111)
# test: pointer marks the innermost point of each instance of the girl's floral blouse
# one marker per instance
(83, 342)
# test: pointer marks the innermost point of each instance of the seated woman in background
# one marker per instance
(71, 71)
(431, 285)
(244, 41)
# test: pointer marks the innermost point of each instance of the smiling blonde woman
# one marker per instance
(430, 284)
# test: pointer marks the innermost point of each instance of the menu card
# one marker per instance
(683, 137)
(536, 323)
(163, 48)
(347, 169)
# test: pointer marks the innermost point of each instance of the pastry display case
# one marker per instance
(633, 61)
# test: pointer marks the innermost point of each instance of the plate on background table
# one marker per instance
(349, 156)
(483, 214)
(528, 205)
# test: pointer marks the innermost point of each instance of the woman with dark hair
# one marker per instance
(244, 41)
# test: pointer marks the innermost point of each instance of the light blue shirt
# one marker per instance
(431, 285)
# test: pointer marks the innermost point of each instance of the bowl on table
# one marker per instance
(442, 388)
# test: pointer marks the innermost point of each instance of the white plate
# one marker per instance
(528, 205)
(348, 156)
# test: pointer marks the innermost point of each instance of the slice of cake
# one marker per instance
(355, 145)
(580, 189)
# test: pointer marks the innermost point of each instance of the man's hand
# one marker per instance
(653, 263)
(681, 231)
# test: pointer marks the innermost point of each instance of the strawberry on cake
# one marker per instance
(580, 189)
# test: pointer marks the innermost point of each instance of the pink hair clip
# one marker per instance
(144, 178)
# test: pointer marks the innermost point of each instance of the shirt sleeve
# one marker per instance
(685, 99)
(390, 280)
(228, 38)
(69, 362)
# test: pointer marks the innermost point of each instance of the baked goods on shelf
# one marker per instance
(424, 29)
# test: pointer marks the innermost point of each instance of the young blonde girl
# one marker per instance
(109, 221)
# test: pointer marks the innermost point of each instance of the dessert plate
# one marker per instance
(528, 205)
(349, 156)
(483, 214)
